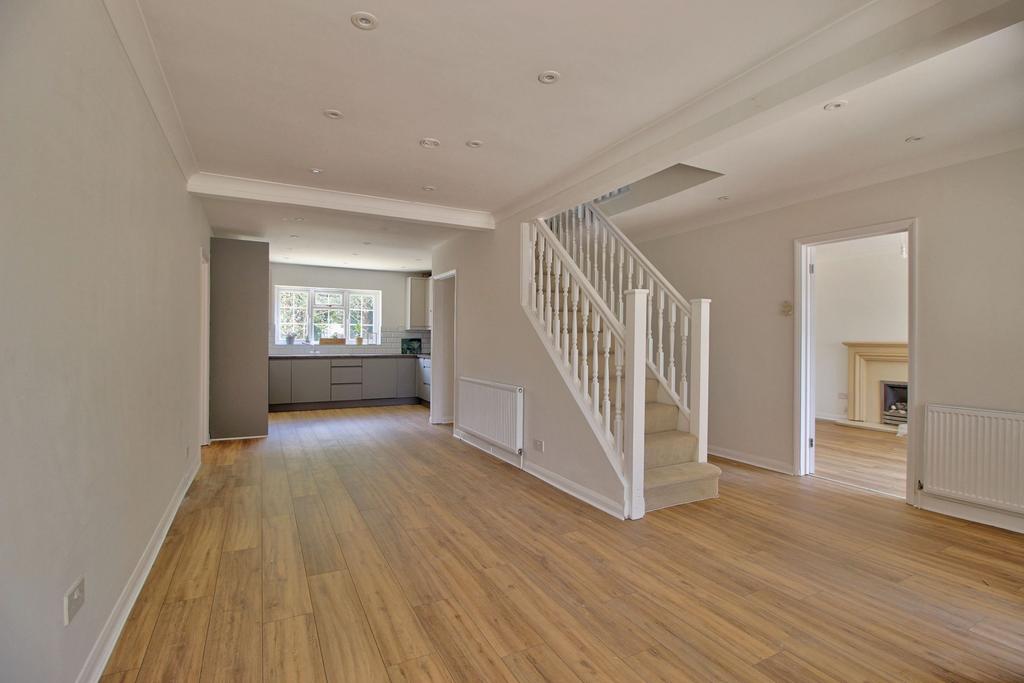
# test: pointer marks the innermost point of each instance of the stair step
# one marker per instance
(662, 449)
(651, 389)
(679, 484)
(660, 417)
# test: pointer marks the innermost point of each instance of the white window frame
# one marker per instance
(279, 339)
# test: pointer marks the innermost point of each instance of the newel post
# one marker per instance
(700, 353)
(635, 376)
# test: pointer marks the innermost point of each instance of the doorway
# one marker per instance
(855, 357)
(442, 352)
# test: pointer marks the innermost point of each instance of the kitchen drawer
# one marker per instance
(346, 392)
(346, 362)
(425, 373)
(347, 375)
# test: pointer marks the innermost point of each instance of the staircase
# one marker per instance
(633, 351)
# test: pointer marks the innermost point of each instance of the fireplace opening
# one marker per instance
(894, 403)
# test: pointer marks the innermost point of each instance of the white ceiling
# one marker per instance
(328, 238)
(250, 81)
(971, 93)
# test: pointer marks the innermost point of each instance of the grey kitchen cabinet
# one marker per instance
(311, 380)
(346, 392)
(406, 381)
(380, 377)
(280, 380)
(347, 375)
(418, 301)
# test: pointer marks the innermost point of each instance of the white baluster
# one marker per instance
(547, 286)
(661, 332)
(619, 360)
(684, 379)
(575, 326)
(607, 382)
(585, 368)
(556, 327)
(532, 284)
(650, 315)
(565, 316)
(671, 343)
(538, 303)
(604, 264)
(622, 300)
(595, 393)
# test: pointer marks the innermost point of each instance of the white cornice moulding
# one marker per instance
(871, 43)
(250, 189)
(130, 26)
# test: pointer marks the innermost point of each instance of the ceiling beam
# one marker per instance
(249, 189)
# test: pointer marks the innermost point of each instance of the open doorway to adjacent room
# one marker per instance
(855, 339)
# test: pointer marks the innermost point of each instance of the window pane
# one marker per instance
(328, 299)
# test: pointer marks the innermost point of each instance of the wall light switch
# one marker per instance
(538, 445)
(73, 600)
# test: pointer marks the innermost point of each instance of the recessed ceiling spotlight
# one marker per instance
(724, 198)
(355, 253)
(332, 113)
(429, 188)
(430, 143)
(419, 259)
(474, 144)
(294, 237)
(548, 77)
(837, 104)
(367, 242)
(364, 21)
(316, 171)
(913, 138)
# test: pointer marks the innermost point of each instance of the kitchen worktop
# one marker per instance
(348, 355)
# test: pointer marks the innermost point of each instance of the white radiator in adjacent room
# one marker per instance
(492, 411)
(975, 456)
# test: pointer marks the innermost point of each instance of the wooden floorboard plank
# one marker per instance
(291, 651)
(349, 650)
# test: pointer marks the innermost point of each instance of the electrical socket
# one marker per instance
(74, 598)
(538, 445)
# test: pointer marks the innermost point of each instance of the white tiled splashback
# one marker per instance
(391, 342)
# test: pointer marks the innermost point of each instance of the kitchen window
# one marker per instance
(312, 314)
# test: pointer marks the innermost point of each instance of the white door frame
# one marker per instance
(204, 346)
(448, 377)
(803, 431)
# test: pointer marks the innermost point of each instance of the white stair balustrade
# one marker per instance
(590, 346)
(677, 352)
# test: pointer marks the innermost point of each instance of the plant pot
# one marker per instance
(359, 341)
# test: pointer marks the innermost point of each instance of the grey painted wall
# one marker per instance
(99, 354)
(239, 280)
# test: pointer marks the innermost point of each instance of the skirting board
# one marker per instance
(597, 500)
(92, 670)
(996, 518)
(602, 503)
(489, 448)
(746, 458)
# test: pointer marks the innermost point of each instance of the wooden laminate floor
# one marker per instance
(861, 457)
(365, 545)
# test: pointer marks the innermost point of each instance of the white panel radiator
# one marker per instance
(492, 412)
(976, 456)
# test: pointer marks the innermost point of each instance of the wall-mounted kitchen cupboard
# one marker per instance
(418, 303)
(239, 319)
(295, 383)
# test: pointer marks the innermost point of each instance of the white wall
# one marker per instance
(971, 301)
(495, 341)
(99, 350)
(860, 294)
